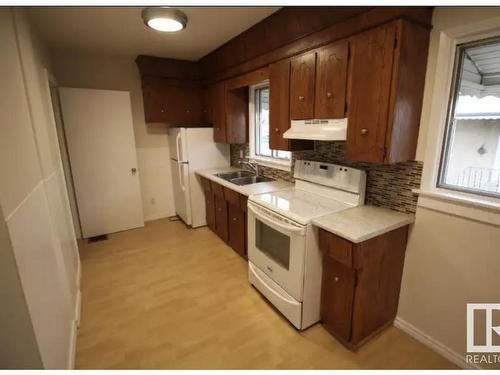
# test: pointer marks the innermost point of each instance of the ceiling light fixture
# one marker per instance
(164, 19)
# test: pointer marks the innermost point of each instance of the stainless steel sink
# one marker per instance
(242, 177)
(236, 174)
(250, 180)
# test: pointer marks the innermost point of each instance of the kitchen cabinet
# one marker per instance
(226, 212)
(221, 224)
(237, 221)
(385, 91)
(228, 112)
(331, 81)
(360, 284)
(302, 83)
(279, 109)
(209, 202)
(177, 104)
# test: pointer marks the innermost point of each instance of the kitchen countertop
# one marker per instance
(257, 188)
(361, 223)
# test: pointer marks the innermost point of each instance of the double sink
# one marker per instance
(242, 177)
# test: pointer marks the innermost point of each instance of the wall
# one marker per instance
(82, 70)
(35, 204)
(387, 186)
(450, 260)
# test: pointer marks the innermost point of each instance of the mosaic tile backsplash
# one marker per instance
(387, 185)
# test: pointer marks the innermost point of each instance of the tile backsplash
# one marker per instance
(387, 185)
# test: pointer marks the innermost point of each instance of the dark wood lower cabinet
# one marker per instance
(361, 284)
(226, 215)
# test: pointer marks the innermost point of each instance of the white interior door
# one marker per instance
(101, 146)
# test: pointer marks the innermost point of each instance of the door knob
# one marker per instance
(133, 170)
(277, 130)
(301, 98)
(336, 279)
(328, 94)
(364, 131)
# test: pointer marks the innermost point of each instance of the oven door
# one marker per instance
(277, 247)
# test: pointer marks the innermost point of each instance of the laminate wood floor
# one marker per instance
(168, 297)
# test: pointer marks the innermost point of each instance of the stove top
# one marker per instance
(320, 189)
(298, 205)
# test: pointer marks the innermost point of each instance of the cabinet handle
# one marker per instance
(277, 130)
(187, 110)
(364, 131)
(162, 111)
(329, 94)
(235, 219)
(301, 98)
(219, 209)
(336, 279)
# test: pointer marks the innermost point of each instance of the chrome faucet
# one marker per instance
(252, 165)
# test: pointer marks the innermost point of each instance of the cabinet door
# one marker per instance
(155, 103)
(331, 81)
(279, 104)
(236, 111)
(209, 203)
(370, 72)
(302, 81)
(237, 229)
(217, 109)
(221, 217)
(188, 103)
(337, 293)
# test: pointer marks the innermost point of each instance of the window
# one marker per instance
(259, 130)
(471, 152)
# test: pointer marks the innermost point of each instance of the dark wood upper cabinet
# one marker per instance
(279, 104)
(216, 101)
(385, 91)
(302, 82)
(279, 109)
(236, 112)
(331, 77)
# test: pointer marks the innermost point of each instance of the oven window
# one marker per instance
(274, 244)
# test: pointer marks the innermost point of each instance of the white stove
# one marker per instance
(284, 258)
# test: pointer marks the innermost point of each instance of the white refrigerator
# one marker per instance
(193, 149)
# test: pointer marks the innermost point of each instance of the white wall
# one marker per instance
(450, 260)
(33, 194)
(121, 73)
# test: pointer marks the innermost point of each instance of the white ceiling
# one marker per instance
(121, 31)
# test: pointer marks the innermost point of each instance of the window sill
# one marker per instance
(283, 166)
(460, 204)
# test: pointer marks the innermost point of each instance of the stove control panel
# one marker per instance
(331, 175)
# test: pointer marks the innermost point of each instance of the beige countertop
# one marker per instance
(257, 188)
(361, 223)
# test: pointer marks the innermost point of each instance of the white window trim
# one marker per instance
(284, 165)
(469, 205)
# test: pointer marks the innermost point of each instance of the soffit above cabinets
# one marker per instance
(121, 31)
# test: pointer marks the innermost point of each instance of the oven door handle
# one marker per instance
(263, 217)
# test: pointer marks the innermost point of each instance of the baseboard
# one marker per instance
(156, 216)
(433, 344)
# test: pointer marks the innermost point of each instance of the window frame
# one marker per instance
(448, 135)
(267, 161)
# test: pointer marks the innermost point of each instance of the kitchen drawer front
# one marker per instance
(217, 189)
(205, 184)
(336, 247)
(232, 196)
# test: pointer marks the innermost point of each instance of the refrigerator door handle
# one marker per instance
(177, 144)
(181, 175)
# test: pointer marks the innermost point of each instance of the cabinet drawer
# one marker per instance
(232, 196)
(217, 189)
(205, 184)
(243, 202)
(336, 247)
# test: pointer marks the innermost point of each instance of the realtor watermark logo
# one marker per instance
(483, 333)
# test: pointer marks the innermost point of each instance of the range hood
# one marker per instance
(318, 130)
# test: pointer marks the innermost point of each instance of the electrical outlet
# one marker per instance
(242, 154)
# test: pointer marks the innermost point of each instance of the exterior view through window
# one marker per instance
(261, 100)
(471, 157)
